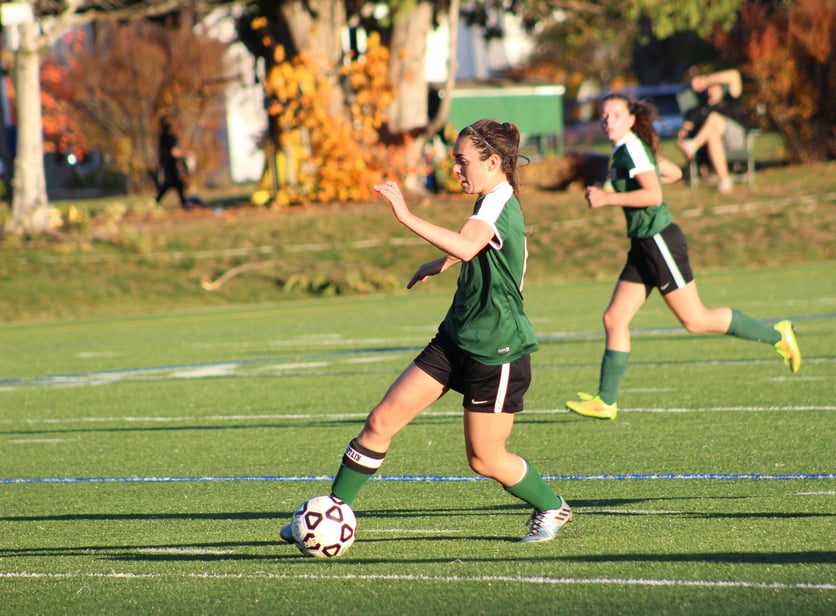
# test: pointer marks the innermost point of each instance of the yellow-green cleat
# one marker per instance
(593, 406)
(787, 346)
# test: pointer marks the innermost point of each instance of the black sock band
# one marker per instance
(362, 460)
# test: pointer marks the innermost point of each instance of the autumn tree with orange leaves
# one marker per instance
(790, 49)
(116, 86)
(335, 158)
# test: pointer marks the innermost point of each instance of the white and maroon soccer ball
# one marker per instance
(324, 527)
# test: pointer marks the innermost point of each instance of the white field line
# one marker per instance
(363, 414)
(635, 512)
(412, 531)
(29, 441)
(186, 551)
(479, 579)
(243, 369)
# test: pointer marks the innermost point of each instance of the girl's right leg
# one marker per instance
(411, 393)
(627, 298)
(486, 435)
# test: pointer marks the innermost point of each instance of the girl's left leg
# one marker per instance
(486, 435)
(686, 304)
(696, 318)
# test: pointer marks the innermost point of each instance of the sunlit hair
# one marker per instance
(645, 114)
(490, 137)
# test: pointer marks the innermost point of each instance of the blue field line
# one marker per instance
(433, 478)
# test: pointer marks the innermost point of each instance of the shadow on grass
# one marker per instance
(227, 551)
(580, 506)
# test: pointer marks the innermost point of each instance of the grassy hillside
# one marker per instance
(156, 261)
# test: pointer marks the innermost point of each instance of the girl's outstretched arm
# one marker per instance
(462, 245)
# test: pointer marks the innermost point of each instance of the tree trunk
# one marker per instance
(316, 27)
(408, 112)
(440, 119)
(29, 203)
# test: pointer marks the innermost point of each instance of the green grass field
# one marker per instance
(148, 462)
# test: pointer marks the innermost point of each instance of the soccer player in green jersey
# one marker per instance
(658, 257)
(482, 348)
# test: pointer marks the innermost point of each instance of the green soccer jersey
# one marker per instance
(630, 157)
(486, 319)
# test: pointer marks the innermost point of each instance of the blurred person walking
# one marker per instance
(172, 170)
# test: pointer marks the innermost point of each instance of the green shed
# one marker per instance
(536, 110)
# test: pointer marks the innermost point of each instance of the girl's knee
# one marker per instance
(377, 424)
(698, 324)
(692, 326)
(614, 320)
(480, 466)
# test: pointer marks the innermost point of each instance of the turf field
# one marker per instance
(147, 464)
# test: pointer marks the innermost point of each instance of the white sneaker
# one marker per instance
(545, 524)
(286, 534)
(725, 186)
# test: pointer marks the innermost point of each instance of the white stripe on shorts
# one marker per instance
(502, 390)
(669, 260)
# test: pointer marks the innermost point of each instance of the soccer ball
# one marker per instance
(324, 527)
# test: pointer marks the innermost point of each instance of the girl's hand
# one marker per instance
(595, 197)
(426, 270)
(392, 193)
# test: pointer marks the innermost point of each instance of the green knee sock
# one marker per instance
(347, 483)
(534, 490)
(744, 326)
(613, 367)
(358, 465)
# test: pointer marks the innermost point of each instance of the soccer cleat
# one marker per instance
(545, 524)
(787, 346)
(592, 406)
(287, 534)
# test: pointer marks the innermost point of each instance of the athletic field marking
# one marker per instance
(637, 512)
(433, 578)
(321, 359)
(366, 360)
(428, 478)
(248, 367)
(187, 551)
(413, 531)
(33, 421)
(28, 441)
